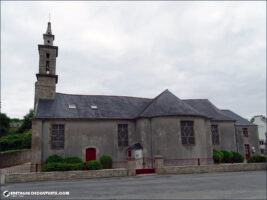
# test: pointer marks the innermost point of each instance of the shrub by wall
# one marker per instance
(73, 160)
(227, 156)
(54, 159)
(256, 159)
(106, 161)
(217, 156)
(93, 165)
(62, 167)
(237, 157)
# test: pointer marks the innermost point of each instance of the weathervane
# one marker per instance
(49, 16)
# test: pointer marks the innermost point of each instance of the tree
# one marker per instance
(4, 124)
(26, 122)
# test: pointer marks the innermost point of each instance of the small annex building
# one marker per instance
(88, 126)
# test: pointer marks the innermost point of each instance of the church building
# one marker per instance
(88, 126)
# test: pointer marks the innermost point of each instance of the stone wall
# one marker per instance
(15, 158)
(214, 168)
(67, 175)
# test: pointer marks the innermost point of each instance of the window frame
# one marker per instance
(212, 135)
(245, 132)
(187, 136)
(58, 137)
(123, 141)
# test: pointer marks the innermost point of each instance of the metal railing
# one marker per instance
(144, 163)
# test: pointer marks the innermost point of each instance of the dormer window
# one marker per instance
(72, 106)
(94, 107)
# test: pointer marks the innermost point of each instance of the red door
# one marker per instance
(90, 154)
(247, 151)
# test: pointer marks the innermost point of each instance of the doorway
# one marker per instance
(90, 154)
(247, 151)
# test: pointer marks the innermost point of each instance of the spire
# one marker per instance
(49, 30)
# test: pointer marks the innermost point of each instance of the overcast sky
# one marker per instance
(213, 50)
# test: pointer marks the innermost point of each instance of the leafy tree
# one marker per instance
(4, 124)
(15, 120)
(26, 122)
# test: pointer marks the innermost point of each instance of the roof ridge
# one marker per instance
(153, 100)
(103, 95)
(194, 99)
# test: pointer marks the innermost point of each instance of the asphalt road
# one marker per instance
(227, 185)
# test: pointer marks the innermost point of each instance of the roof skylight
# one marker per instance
(94, 107)
(72, 106)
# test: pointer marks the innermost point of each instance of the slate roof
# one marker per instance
(205, 107)
(122, 107)
(168, 104)
(113, 107)
(239, 120)
(109, 107)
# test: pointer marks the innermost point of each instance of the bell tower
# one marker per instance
(45, 86)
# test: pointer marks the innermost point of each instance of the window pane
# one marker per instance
(187, 132)
(57, 136)
(184, 140)
(122, 134)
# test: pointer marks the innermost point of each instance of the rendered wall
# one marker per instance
(166, 138)
(82, 134)
(252, 139)
(227, 136)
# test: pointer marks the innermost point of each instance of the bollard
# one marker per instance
(198, 161)
(84, 166)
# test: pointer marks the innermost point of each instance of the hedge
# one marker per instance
(93, 165)
(257, 158)
(62, 167)
(106, 161)
(54, 159)
(227, 156)
(217, 156)
(73, 160)
(237, 157)
(58, 159)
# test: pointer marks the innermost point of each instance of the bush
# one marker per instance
(227, 156)
(106, 161)
(54, 159)
(237, 157)
(257, 158)
(73, 160)
(93, 165)
(62, 167)
(16, 141)
(11, 142)
(217, 156)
